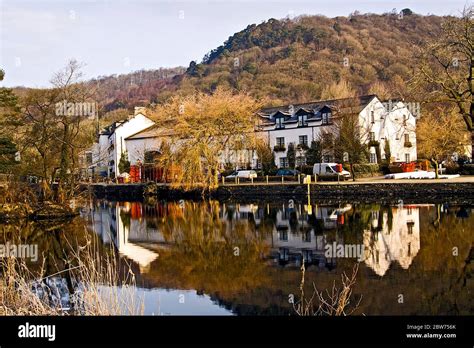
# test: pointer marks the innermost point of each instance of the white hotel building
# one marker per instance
(379, 122)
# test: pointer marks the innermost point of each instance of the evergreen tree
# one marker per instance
(124, 163)
(291, 155)
(314, 153)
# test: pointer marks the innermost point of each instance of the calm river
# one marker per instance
(225, 258)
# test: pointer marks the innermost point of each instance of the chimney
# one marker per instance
(139, 110)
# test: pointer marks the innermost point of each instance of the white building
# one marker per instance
(107, 151)
(388, 244)
(303, 123)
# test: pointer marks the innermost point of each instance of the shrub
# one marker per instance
(363, 169)
(366, 168)
(306, 169)
(467, 169)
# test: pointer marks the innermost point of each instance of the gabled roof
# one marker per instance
(110, 129)
(151, 132)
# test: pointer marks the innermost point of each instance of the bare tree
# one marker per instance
(204, 126)
(446, 69)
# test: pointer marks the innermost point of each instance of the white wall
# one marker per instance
(137, 147)
(136, 124)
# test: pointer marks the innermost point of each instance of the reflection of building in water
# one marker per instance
(123, 226)
(293, 238)
(392, 236)
(296, 239)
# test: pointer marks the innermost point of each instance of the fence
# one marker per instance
(270, 179)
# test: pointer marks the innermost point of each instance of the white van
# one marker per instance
(329, 171)
(242, 174)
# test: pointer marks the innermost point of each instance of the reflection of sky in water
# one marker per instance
(167, 302)
(159, 301)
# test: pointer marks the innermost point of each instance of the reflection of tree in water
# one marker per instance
(54, 238)
(207, 253)
(57, 242)
(449, 277)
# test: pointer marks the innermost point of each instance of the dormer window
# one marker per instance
(279, 123)
(302, 120)
(372, 116)
(326, 117)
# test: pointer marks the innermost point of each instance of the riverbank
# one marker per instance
(460, 191)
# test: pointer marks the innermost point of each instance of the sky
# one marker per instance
(38, 38)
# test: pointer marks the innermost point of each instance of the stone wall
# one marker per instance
(374, 192)
(461, 193)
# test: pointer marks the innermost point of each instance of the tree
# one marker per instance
(341, 89)
(291, 155)
(70, 92)
(8, 108)
(314, 153)
(8, 152)
(124, 163)
(439, 135)
(266, 157)
(387, 151)
(446, 67)
(349, 139)
(202, 127)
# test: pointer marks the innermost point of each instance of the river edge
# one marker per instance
(380, 192)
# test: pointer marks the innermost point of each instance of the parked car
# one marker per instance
(287, 172)
(242, 174)
(330, 171)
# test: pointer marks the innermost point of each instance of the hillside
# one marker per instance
(294, 60)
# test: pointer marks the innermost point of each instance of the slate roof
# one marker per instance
(313, 109)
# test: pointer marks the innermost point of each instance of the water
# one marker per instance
(232, 258)
(227, 258)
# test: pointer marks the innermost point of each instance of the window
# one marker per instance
(283, 235)
(327, 158)
(303, 140)
(372, 116)
(283, 162)
(280, 141)
(302, 120)
(405, 120)
(373, 158)
(410, 227)
(407, 138)
(407, 158)
(372, 136)
(89, 158)
(279, 122)
(306, 237)
(326, 117)
(300, 161)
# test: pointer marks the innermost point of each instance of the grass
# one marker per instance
(94, 286)
(336, 301)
